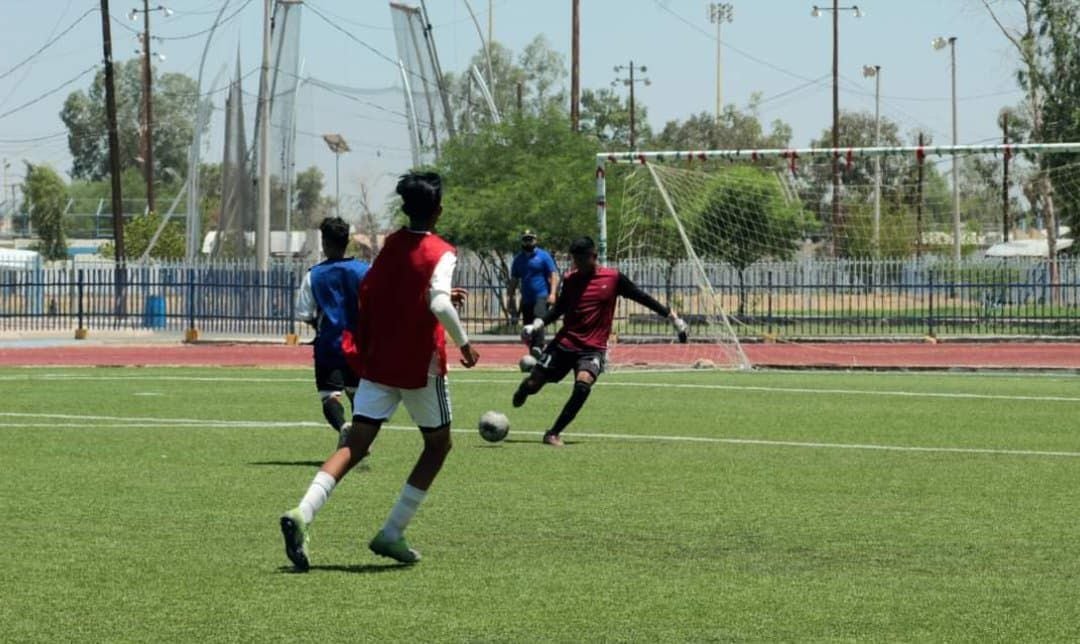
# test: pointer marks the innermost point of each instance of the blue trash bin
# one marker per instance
(154, 315)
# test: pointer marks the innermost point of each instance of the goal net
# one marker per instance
(697, 229)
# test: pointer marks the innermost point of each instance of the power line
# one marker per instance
(48, 93)
(48, 44)
(208, 29)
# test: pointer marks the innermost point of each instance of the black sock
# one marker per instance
(572, 406)
(333, 412)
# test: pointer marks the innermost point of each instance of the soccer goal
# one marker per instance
(698, 228)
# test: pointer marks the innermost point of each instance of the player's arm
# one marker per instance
(553, 279)
(626, 288)
(307, 309)
(442, 306)
(554, 313)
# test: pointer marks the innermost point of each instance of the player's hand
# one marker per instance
(551, 299)
(458, 296)
(681, 327)
(531, 329)
(469, 356)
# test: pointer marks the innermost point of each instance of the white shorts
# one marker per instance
(429, 407)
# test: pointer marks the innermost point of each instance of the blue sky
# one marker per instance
(773, 47)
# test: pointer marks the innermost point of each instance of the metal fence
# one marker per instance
(807, 299)
(226, 299)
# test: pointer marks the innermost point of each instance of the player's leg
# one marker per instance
(536, 346)
(552, 366)
(587, 370)
(430, 410)
(374, 404)
(330, 382)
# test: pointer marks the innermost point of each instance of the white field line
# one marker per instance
(162, 423)
(609, 383)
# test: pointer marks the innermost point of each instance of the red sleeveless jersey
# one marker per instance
(591, 301)
(397, 333)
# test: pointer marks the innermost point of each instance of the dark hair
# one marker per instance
(582, 246)
(335, 232)
(421, 195)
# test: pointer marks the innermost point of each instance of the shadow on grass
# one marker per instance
(522, 441)
(360, 569)
(289, 463)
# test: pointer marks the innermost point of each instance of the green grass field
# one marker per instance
(142, 505)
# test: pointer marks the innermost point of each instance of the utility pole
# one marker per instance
(630, 82)
(148, 110)
(575, 66)
(837, 223)
(941, 43)
(262, 221)
(719, 13)
(148, 99)
(114, 141)
(874, 71)
(1006, 225)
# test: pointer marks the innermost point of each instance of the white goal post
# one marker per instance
(703, 215)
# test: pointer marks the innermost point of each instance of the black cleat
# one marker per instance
(519, 398)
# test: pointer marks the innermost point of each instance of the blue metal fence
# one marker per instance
(808, 299)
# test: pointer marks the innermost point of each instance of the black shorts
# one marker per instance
(557, 361)
(334, 378)
(530, 310)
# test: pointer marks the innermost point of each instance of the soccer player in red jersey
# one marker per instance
(406, 310)
(587, 305)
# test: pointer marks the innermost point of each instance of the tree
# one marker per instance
(748, 218)
(46, 198)
(528, 172)
(310, 204)
(175, 102)
(138, 231)
(606, 116)
(1049, 73)
(539, 70)
(735, 129)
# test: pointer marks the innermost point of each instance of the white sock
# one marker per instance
(403, 511)
(317, 494)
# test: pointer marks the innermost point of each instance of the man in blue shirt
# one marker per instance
(535, 271)
(328, 301)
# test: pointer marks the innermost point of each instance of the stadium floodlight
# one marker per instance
(815, 12)
(939, 43)
(338, 146)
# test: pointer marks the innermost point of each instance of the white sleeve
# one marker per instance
(439, 299)
(307, 309)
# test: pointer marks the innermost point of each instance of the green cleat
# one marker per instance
(294, 529)
(399, 550)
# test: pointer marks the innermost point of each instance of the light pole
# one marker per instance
(940, 43)
(630, 81)
(148, 102)
(719, 13)
(814, 13)
(338, 146)
(874, 71)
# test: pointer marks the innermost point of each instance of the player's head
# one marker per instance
(421, 198)
(528, 240)
(583, 253)
(335, 237)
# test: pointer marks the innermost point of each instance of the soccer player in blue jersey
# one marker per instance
(328, 301)
(535, 271)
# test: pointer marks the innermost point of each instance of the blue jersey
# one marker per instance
(335, 286)
(534, 269)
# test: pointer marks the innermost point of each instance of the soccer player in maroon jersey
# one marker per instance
(587, 305)
(406, 310)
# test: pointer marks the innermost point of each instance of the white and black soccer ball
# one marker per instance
(493, 426)
(526, 363)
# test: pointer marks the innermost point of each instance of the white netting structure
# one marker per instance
(707, 217)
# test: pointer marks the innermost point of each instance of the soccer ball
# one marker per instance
(494, 426)
(526, 363)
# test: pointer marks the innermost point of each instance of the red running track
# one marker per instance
(913, 355)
